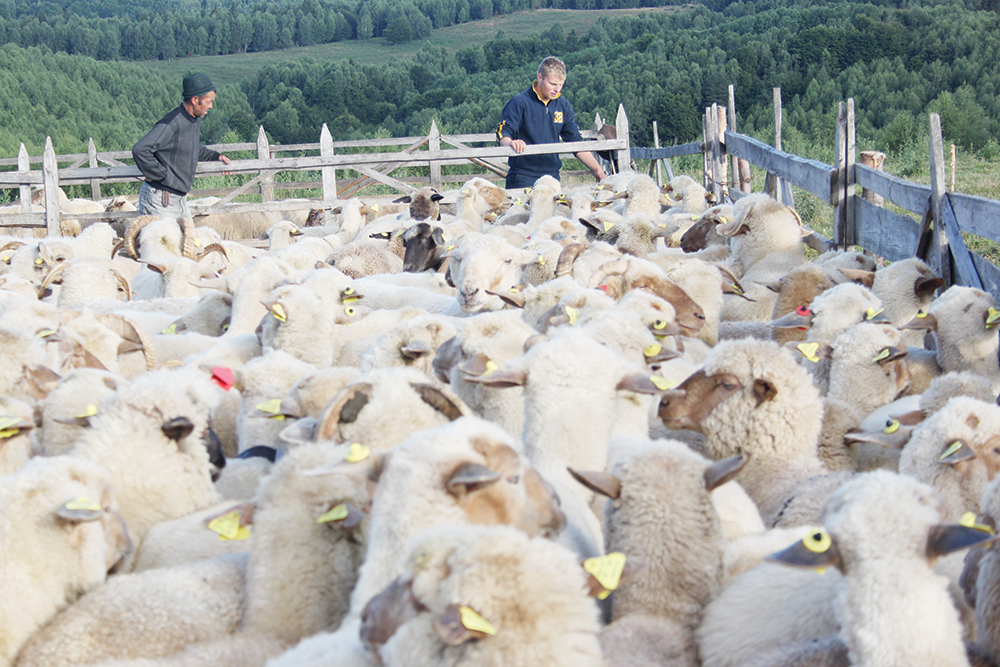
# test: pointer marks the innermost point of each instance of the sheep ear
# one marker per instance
(895, 440)
(721, 472)
(631, 568)
(177, 428)
(532, 341)
(891, 354)
(911, 418)
(451, 631)
(734, 228)
(764, 390)
(945, 539)
(416, 349)
(598, 482)
(71, 513)
(220, 284)
(515, 299)
(246, 511)
(447, 405)
(405, 199)
(500, 377)
(438, 236)
(343, 410)
(470, 477)
(350, 519)
(866, 278)
(437, 197)
(957, 452)
(38, 382)
(642, 384)
(822, 552)
(925, 286)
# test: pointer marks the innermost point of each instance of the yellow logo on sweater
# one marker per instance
(557, 117)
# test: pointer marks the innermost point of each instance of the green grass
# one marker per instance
(226, 70)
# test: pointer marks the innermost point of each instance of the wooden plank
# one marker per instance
(924, 240)
(706, 140)
(23, 220)
(967, 274)
(288, 205)
(814, 240)
(988, 273)
(777, 139)
(810, 175)
(434, 144)
(657, 163)
(392, 182)
(850, 157)
(95, 184)
(385, 168)
(977, 215)
(264, 153)
(840, 166)
(884, 233)
(246, 187)
(24, 166)
(50, 177)
(940, 250)
(494, 167)
(734, 168)
(662, 153)
(328, 174)
(902, 193)
(621, 128)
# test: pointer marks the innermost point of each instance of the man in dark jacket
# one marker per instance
(169, 154)
(540, 116)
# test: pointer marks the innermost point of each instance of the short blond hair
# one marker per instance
(552, 65)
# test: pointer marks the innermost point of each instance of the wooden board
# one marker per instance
(977, 215)
(988, 273)
(904, 194)
(884, 233)
(810, 175)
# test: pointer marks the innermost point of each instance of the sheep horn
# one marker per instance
(123, 281)
(12, 245)
(51, 277)
(119, 244)
(187, 243)
(213, 247)
(569, 254)
(133, 232)
(614, 267)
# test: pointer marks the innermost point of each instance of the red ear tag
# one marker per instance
(803, 311)
(604, 288)
(223, 377)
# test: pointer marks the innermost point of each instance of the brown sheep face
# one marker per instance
(702, 393)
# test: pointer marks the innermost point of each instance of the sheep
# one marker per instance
(365, 258)
(85, 280)
(68, 408)
(262, 382)
(249, 286)
(159, 239)
(797, 289)
(146, 614)
(423, 204)
(114, 340)
(16, 441)
(22, 352)
(300, 322)
(880, 523)
(468, 471)
(412, 343)
(906, 287)
(476, 198)
(703, 234)
(660, 511)
(486, 264)
(380, 294)
(60, 535)
(532, 595)
(209, 317)
(979, 577)
(310, 395)
(153, 443)
(752, 397)
(425, 247)
(963, 319)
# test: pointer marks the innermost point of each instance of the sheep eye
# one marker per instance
(659, 324)
(728, 386)
(508, 261)
(514, 479)
(225, 327)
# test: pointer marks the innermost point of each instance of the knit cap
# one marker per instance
(196, 85)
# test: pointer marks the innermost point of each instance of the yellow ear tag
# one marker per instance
(527, 191)
(662, 384)
(348, 291)
(89, 412)
(45, 333)
(515, 290)
(357, 452)
(279, 312)
(337, 513)
(375, 207)
(884, 354)
(808, 351)
(473, 621)
(350, 299)
(451, 247)
(992, 317)
(723, 219)
(490, 366)
(652, 350)
(818, 542)
(871, 313)
(197, 243)
(83, 503)
(659, 325)
(572, 314)
(952, 448)
(607, 570)
(541, 260)
(891, 426)
(349, 311)
(737, 288)
(39, 261)
(518, 202)
(273, 407)
(921, 314)
(227, 526)
(170, 331)
(466, 191)
(662, 225)
(695, 217)
(608, 225)
(7, 422)
(969, 521)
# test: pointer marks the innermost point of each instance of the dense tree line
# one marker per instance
(899, 60)
(113, 30)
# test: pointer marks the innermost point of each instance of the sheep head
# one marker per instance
(618, 277)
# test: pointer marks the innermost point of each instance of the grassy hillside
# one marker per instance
(235, 68)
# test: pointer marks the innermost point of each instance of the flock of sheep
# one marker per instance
(618, 425)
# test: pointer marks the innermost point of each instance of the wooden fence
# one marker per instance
(433, 151)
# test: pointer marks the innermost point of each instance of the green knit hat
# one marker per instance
(196, 85)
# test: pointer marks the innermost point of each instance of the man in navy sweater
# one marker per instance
(540, 115)
(169, 153)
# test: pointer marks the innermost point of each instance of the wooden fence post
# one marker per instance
(875, 160)
(329, 173)
(657, 163)
(264, 153)
(840, 231)
(940, 253)
(720, 142)
(849, 186)
(715, 152)
(621, 128)
(95, 184)
(740, 167)
(434, 144)
(952, 168)
(23, 167)
(706, 148)
(50, 180)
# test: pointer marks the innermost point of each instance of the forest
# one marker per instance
(899, 60)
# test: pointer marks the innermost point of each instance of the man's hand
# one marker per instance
(225, 160)
(517, 144)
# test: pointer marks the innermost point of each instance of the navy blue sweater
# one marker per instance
(169, 153)
(529, 119)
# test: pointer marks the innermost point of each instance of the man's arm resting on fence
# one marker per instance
(589, 161)
(516, 144)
